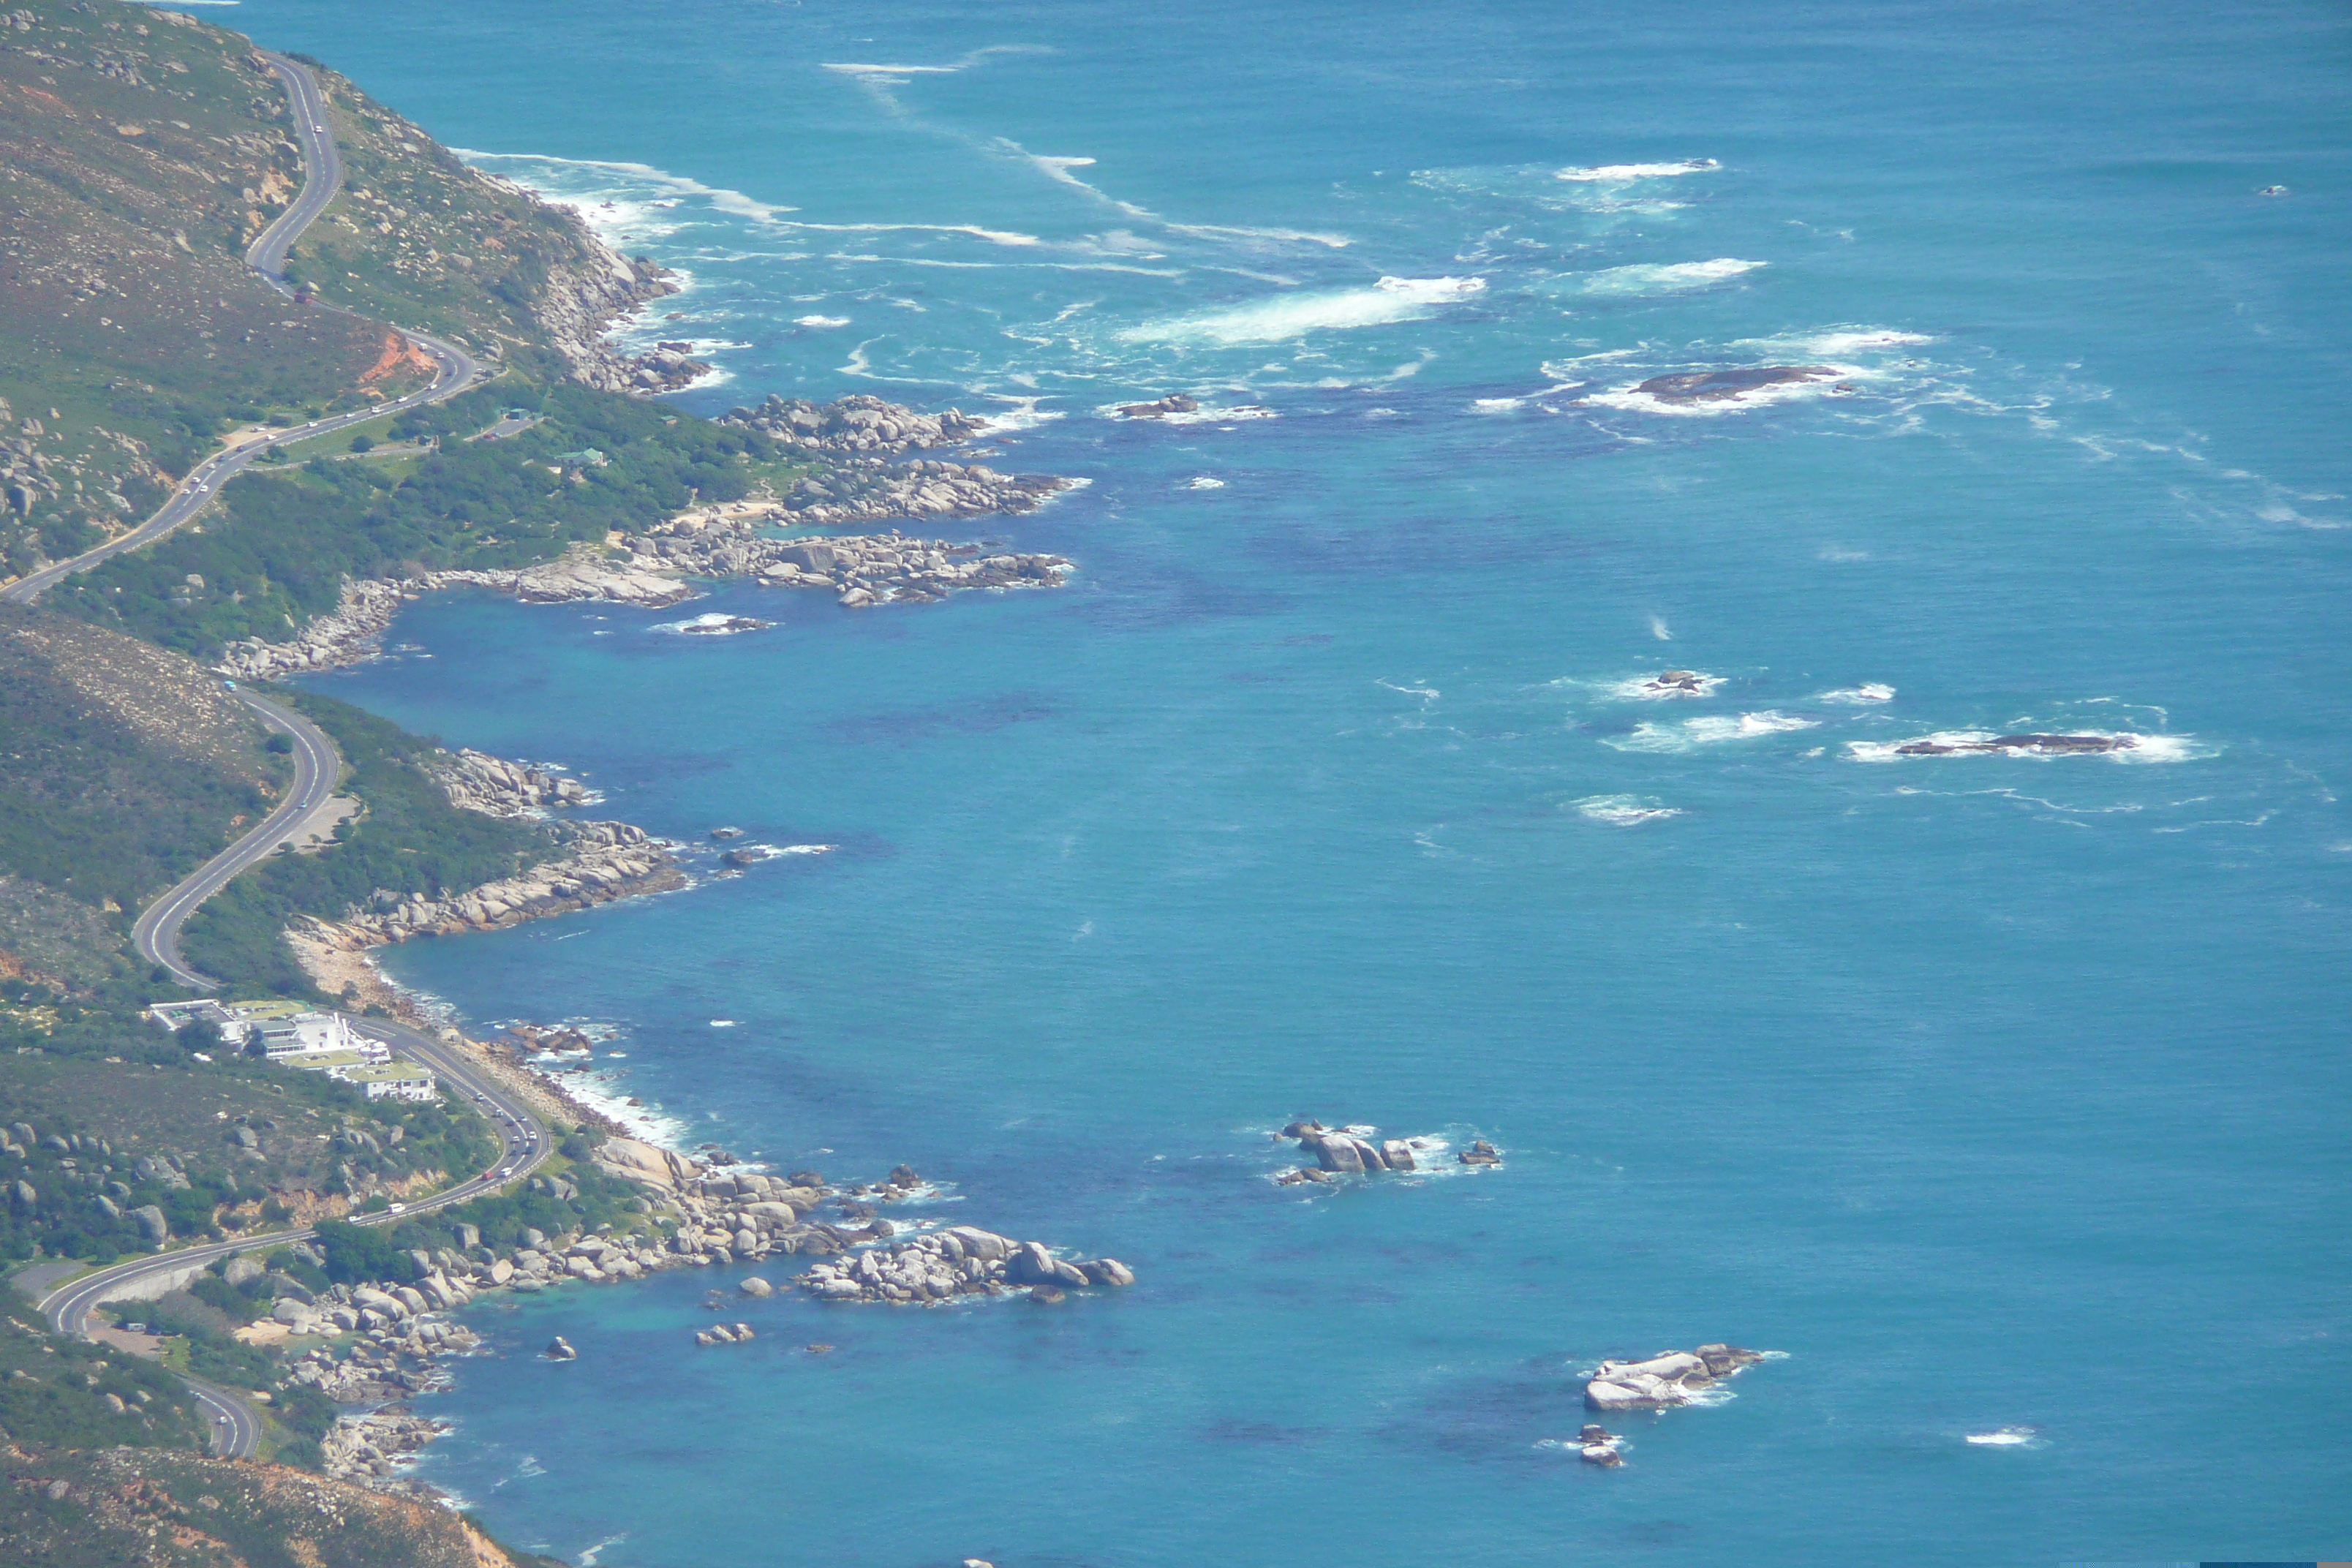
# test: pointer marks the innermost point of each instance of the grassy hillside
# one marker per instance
(122, 768)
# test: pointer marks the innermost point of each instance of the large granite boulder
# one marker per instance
(1665, 1379)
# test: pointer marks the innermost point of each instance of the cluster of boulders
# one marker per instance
(581, 300)
(962, 1260)
(1666, 1379)
(856, 426)
(722, 1335)
(476, 780)
(368, 1449)
(1596, 1444)
(601, 861)
(862, 569)
(1675, 683)
(1352, 1150)
(870, 489)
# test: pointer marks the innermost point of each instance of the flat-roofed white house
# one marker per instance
(392, 1080)
(305, 1034)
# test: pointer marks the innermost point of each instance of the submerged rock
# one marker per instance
(1722, 385)
(2031, 745)
(559, 1349)
(1175, 403)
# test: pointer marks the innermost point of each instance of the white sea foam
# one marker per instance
(722, 1023)
(821, 322)
(993, 235)
(1496, 404)
(1622, 174)
(2006, 1437)
(807, 848)
(1668, 277)
(1284, 317)
(1023, 415)
(1623, 810)
(1859, 696)
(580, 183)
(1203, 482)
(1711, 731)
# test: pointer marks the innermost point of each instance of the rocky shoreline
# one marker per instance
(397, 1335)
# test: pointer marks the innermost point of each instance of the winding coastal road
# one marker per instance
(523, 1137)
(316, 769)
(454, 369)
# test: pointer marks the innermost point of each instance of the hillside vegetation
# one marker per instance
(122, 767)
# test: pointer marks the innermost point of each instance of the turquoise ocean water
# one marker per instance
(1997, 1093)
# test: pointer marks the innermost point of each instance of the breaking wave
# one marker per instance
(1295, 315)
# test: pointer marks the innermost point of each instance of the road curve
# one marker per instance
(454, 369)
(316, 769)
(323, 168)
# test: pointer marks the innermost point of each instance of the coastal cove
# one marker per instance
(1863, 848)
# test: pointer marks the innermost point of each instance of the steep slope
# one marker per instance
(123, 766)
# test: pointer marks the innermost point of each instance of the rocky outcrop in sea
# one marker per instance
(961, 1261)
(861, 433)
(1665, 1379)
(861, 570)
(1358, 1151)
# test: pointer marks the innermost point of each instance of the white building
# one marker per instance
(392, 1081)
(176, 1016)
(305, 1034)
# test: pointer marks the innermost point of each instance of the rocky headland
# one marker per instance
(650, 571)
(601, 861)
(1665, 1379)
(580, 302)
